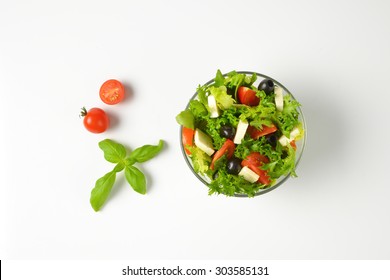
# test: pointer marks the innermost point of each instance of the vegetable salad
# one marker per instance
(240, 136)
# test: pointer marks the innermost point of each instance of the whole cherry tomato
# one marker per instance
(95, 120)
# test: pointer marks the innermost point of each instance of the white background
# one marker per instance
(54, 55)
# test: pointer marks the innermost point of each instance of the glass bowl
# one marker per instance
(300, 144)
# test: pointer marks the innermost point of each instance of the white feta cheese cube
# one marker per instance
(248, 174)
(240, 132)
(203, 142)
(214, 110)
(279, 98)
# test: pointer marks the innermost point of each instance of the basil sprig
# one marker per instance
(116, 153)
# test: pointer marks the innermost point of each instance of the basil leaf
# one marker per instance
(129, 161)
(119, 167)
(186, 119)
(101, 190)
(146, 152)
(113, 152)
(136, 179)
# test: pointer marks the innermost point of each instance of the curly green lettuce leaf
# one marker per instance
(287, 119)
(202, 94)
(283, 166)
(249, 80)
(231, 116)
(234, 79)
(197, 108)
(230, 185)
(224, 100)
(200, 160)
(212, 128)
(261, 114)
(249, 145)
(219, 79)
(186, 119)
(282, 159)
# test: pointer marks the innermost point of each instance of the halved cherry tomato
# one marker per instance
(228, 148)
(112, 92)
(248, 96)
(187, 137)
(95, 120)
(254, 161)
(257, 133)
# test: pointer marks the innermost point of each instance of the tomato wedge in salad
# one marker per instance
(256, 158)
(187, 137)
(248, 96)
(227, 148)
(265, 130)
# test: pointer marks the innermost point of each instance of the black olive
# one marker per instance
(227, 131)
(234, 166)
(272, 139)
(266, 85)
